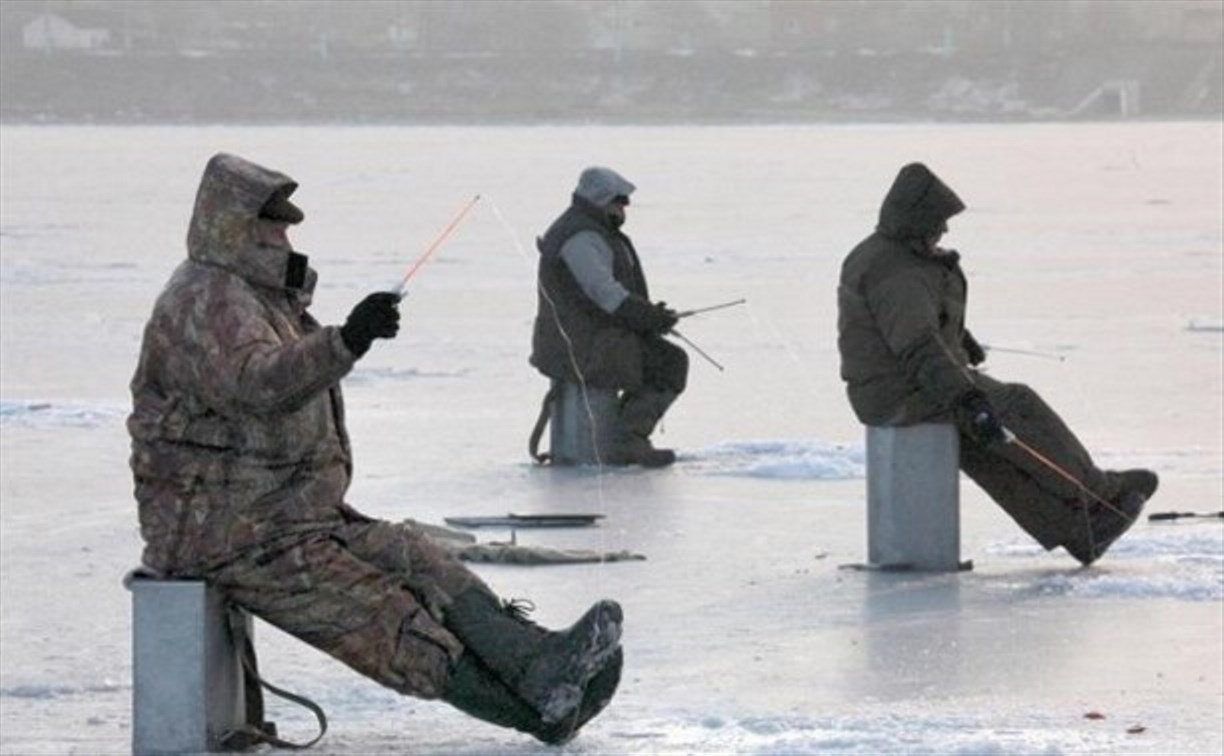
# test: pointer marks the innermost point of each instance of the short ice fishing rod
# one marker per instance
(1158, 516)
(698, 311)
(697, 349)
(1026, 352)
(446, 232)
(1010, 438)
(711, 308)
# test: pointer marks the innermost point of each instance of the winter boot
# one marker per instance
(548, 670)
(598, 695)
(475, 690)
(640, 413)
(1107, 524)
(629, 448)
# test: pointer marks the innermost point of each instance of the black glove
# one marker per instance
(375, 317)
(642, 316)
(977, 355)
(983, 423)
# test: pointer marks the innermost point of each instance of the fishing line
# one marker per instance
(569, 344)
(776, 337)
(569, 347)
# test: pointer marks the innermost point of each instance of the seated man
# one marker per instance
(906, 358)
(595, 324)
(241, 462)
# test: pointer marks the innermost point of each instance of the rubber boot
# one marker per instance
(548, 670)
(475, 690)
(1107, 524)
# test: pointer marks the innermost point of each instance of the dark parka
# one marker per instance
(607, 352)
(902, 340)
(241, 459)
(901, 310)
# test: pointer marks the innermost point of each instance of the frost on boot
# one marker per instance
(1107, 524)
(599, 693)
(567, 661)
(549, 670)
(474, 689)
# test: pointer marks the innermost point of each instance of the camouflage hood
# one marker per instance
(237, 424)
(917, 205)
(223, 225)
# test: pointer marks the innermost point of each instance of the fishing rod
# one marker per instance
(1027, 352)
(1010, 438)
(403, 285)
(1158, 516)
(694, 347)
(711, 308)
(697, 349)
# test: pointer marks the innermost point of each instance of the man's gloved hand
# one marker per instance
(375, 317)
(983, 421)
(642, 316)
(977, 355)
(668, 314)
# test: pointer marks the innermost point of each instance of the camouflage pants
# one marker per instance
(368, 593)
(1045, 504)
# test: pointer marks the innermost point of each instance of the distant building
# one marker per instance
(50, 31)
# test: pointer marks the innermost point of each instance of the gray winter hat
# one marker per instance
(600, 185)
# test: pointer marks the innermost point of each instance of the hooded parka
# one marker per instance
(902, 337)
(901, 309)
(241, 459)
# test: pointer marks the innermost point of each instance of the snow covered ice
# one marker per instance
(1098, 242)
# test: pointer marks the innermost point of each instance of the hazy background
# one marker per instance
(632, 61)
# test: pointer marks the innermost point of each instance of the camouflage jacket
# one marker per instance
(237, 427)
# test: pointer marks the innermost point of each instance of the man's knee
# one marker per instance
(680, 371)
(424, 657)
(1014, 398)
(668, 365)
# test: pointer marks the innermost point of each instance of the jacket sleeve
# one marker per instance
(590, 262)
(907, 315)
(249, 365)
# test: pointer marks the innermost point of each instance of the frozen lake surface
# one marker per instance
(1102, 243)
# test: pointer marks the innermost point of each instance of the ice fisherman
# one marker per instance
(907, 358)
(241, 461)
(595, 324)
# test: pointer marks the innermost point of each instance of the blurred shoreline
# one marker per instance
(253, 87)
